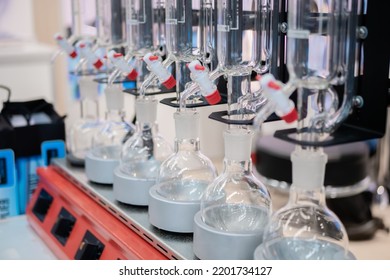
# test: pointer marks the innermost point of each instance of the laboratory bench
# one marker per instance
(18, 240)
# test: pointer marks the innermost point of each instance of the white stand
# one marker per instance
(214, 244)
(170, 215)
(131, 190)
(100, 170)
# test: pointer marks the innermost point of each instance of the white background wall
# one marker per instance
(17, 19)
(24, 63)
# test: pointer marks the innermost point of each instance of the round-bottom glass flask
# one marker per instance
(141, 157)
(104, 155)
(183, 177)
(305, 229)
(235, 207)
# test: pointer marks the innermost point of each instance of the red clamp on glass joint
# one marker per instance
(213, 98)
(170, 83)
(290, 117)
(98, 64)
(132, 75)
(73, 54)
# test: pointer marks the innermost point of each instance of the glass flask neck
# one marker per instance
(147, 127)
(308, 173)
(89, 109)
(315, 196)
(238, 142)
(115, 115)
(188, 145)
(235, 166)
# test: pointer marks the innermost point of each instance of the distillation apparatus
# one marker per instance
(182, 178)
(326, 65)
(143, 153)
(320, 44)
(85, 91)
(236, 206)
(87, 61)
(104, 154)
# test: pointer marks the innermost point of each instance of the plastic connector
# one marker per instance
(118, 60)
(200, 75)
(89, 55)
(65, 46)
(163, 75)
(273, 91)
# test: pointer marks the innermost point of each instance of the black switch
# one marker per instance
(90, 248)
(50, 154)
(42, 205)
(3, 171)
(63, 226)
(90, 251)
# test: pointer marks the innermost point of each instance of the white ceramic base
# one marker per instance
(131, 190)
(212, 244)
(100, 170)
(174, 216)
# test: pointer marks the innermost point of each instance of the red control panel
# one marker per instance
(74, 226)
